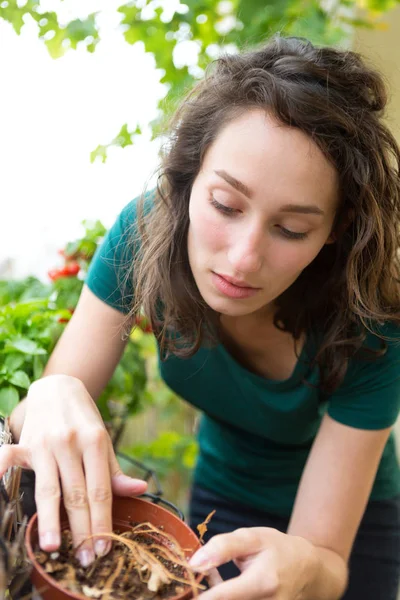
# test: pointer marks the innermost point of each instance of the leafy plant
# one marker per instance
(32, 318)
(28, 333)
(171, 455)
(170, 450)
(124, 394)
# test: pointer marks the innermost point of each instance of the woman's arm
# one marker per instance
(62, 436)
(310, 561)
(89, 349)
(332, 497)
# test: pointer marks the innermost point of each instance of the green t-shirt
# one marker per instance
(255, 433)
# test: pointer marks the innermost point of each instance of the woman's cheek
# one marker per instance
(294, 256)
(209, 230)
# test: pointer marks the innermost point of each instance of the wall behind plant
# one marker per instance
(382, 47)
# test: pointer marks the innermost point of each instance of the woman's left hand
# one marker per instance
(273, 565)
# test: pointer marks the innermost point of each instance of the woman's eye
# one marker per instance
(292, 235)
(226, 210)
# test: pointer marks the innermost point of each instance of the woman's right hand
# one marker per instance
(64, 440)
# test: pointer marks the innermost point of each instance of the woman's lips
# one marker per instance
(232, 290)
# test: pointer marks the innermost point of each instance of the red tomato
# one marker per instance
(55, 274)
(70, 310)
(72, 268)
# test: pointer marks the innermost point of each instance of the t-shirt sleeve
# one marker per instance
(369, 397)
(110, 273)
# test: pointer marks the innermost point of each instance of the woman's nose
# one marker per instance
(245, 255)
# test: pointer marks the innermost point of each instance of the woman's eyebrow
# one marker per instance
(305, 209)
(235, 183)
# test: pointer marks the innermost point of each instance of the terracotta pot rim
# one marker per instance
(72, 595)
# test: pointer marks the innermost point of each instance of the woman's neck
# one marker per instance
(255, 342)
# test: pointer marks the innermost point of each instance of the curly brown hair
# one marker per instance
(351, 287)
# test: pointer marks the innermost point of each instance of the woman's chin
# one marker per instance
(228, 306)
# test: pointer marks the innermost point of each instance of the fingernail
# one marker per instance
(201, 560)
(86, 557)
(49, 540)
(101, 547)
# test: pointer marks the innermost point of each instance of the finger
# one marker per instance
(14, 455)
(47, 498)
(213, 578)
(75, 497)
(123, 485)
(98, 484)
(226, 547)
(249, 585)
(234, 589)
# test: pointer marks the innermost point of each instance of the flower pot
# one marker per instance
(124, 511)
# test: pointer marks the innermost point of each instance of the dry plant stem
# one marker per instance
(14, 565)
(14, 492)
(143, 556)
(145, 559)
(3, 580)
(149, 528)
(19, 542)
(110, 580)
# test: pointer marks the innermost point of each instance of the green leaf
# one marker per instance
(100, 152)
(102, 405)
(78, 30)
(38, 367)
(25, 309)
(25, 346)
(124, 137)
(20, 379)
(13, 362)
(9, 399)
(14, 13)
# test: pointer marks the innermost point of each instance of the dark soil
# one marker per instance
(150, 569)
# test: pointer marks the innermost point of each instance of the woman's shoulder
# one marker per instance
(369, 396)
(128, 217)
(108, 276)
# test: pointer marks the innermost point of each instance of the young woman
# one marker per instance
(267, 262)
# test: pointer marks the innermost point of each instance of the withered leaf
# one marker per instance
(202, 528)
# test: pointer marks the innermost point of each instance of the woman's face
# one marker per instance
(261, 209)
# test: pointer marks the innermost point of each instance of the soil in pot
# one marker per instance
(171, 539)
(144, 563)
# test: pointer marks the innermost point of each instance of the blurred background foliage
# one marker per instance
(183, 37)
(143, 416)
